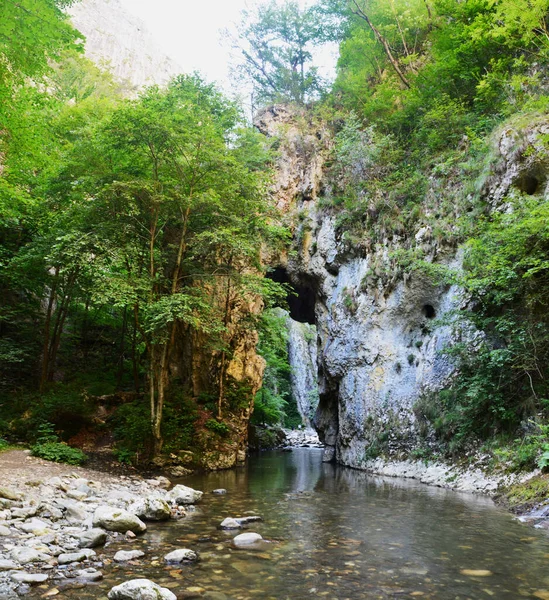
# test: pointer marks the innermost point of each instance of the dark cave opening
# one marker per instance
(528, 184)
(429, 311)
(301, 298)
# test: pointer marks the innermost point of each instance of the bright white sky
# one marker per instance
(189, 31)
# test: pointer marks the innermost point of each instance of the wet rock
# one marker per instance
(65, 559)
(476, 572)
(116, 519)
(31, 578)
(181, 555)
(230, 523)
(219, 492)
(89, 574)
(92, 538)
(126, 555)
(25, 555)
(181, 494)
(140, 589)
(152, 509)
(246, 539)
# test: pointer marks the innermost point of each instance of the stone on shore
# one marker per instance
(117, 519)
(181, 494)
(152, 508)
(230, 523)
(30, 578)
(140, 589)
(65, 559)
(92, 538)
(24, 555)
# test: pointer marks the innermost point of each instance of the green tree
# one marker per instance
(276, 42)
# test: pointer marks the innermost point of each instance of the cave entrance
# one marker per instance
(301, 299)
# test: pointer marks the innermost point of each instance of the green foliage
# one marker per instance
(276, 43)
(218, 427)
(272, 399)
(59, 452)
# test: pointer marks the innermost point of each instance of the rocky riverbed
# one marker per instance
(57, 523)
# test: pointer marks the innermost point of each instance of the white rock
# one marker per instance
(181, 555)
(29, 577)
(246, 539)
(140, 589)
(181, 494)
(8, 565)
(34, 526)
(89, 574)
(152, 508)
(117, 519)
(126, 555)
(25, 555)
(4, 531)
(230, 523)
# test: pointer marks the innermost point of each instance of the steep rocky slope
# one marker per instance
(380, 332)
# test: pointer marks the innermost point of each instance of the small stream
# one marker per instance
(339, 534)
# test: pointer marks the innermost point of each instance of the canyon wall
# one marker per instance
(381, 332)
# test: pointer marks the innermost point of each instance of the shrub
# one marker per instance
(217, 426)
(59, 452)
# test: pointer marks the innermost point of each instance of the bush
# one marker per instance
(217, 426)
(59, 452)
(3, 444)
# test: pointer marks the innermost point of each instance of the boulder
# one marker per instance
(230, 523)
(92, 538)
(152, 508)
(34, 526)
(117, 519)
(181, 555)
(140, 589)
(126, 555)
(246, 539)
(181, 494)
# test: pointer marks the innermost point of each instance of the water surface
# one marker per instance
(340, 534)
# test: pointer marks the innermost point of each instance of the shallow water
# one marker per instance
(338, 533)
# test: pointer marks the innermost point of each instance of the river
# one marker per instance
(339, 534)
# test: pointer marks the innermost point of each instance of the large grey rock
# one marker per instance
(117, 519)
(126, 555)
(181, 494)
(181, 555)
(8, 565)
(24, 555)
(71, 557)
(246, 539)
(152, 508)
(140, 589)
(92, 538)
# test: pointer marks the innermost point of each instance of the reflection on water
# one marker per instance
(340, 534)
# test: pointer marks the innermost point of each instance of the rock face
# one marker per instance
(379, 335)
(121, 41)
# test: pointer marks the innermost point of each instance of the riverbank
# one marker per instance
(53, 516)
(525, 494)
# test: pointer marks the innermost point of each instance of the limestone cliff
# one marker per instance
(121, 41)
(380, 331)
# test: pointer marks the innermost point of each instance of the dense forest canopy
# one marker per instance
(133, 231)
